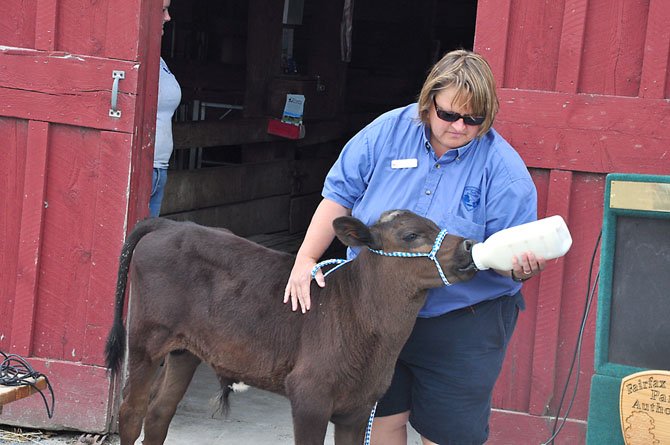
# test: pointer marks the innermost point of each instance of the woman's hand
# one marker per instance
(297, 289)
(527, 265)
(319, 235)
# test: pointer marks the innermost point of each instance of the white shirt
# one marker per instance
(169, 97)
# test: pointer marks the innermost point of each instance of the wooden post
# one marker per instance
(263, 53)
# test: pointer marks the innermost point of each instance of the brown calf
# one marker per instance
(217, 298)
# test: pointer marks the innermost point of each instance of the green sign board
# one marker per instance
(633, 321)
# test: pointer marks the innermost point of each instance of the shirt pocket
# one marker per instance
(463, 227)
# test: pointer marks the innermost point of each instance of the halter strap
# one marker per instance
(339, 263)
(432, 255)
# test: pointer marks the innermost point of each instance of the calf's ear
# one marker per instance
(352, 232)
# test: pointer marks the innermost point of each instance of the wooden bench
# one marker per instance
(10, 394)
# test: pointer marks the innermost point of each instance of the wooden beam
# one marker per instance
(571, 47)
(220, 133)
(549, 305)
(521, 428)
(77, 389)
(249, 131)
(189, 190)
(142, 152)
(323, 56)
(264, 37)
(309, 175)
(301, 211)
(585, 132)
(10, 394)
(45, 25)
(52, 87)
(30, 239)
(656, 60)
(281, 241)
(491, 38)
(265, 215)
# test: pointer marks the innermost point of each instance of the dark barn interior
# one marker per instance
(236, 61)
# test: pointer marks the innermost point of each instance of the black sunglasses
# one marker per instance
(450, 116)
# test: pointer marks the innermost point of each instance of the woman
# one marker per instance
(169, 96)
(442, 159)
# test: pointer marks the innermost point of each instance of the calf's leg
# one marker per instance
(141, 371)
(178, 372)
(311, 408)
(310, 421)
(350, 434)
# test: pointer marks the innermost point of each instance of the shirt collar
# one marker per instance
(450, 155)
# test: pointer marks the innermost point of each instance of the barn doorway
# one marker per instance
(236, 60)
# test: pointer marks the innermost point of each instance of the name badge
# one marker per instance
(404, 163)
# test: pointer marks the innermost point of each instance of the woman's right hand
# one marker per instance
(319, 235)
(297, 289)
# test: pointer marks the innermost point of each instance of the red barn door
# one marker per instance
(75, 163)
(584, 90)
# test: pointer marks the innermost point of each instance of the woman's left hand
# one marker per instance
(527, 265)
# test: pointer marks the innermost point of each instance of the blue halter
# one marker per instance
(432, 255)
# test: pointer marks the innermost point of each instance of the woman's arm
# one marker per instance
(319, 235)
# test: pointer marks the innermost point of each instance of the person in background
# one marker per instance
(442, 159)
(169, 97)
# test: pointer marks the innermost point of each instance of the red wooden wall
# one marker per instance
(584, 90)
(67, 170)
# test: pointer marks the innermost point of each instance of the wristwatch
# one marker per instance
(519, 280)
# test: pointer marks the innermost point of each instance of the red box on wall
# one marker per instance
(285, 130)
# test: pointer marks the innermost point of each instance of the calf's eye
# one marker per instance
(410, 237)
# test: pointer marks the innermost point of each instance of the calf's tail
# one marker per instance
(228, 386)
(116, 341)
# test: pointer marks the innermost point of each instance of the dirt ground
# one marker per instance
(256, 418)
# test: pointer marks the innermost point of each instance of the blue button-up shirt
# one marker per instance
(473, 191)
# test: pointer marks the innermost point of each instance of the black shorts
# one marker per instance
(447, 370)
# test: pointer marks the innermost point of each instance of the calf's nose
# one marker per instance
(466, 246)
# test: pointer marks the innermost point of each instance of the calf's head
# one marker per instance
(406, 232)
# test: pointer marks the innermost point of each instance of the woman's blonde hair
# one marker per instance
(473, 79)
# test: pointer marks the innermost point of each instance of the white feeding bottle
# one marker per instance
(548, 238)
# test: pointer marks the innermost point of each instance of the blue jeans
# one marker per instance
(158, 180)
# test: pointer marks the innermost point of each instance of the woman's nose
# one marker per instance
(459, 124)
